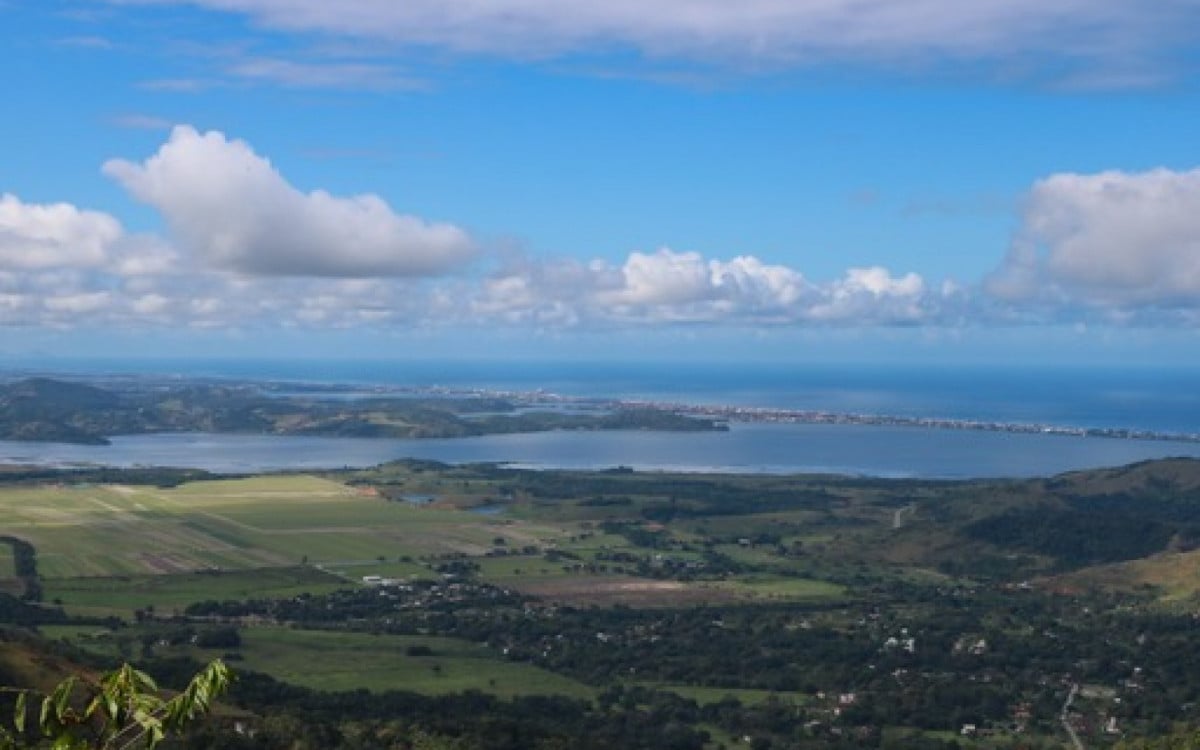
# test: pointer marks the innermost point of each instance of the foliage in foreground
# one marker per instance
(122, 710)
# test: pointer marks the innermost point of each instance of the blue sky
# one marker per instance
(816, 180)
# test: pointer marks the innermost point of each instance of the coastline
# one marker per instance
(775, 415)
(539, 397)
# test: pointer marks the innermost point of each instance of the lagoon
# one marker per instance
(883, 451)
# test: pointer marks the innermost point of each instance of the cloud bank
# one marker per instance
(670, 287)
(230, 208)
(1113, 34)
(246, 249)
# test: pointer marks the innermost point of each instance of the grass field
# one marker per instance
(345, 661)
(7, 564)
(709, 695)
(122, 595)
(263, 522)
(328, 660)
(114, 549)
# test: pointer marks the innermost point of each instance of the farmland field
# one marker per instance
(264, 522)
(8, 567)
(9, 583)
(116, 549)
(328, 660)
(798, 599)
(344, 661)
(708, 695)
(124, 595)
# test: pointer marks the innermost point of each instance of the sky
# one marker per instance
(1002, 181)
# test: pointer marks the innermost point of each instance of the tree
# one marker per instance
(122, 710)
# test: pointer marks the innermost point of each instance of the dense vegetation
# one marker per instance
(667, 611)
(54, 410)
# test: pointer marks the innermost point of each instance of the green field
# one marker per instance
(710, 695)
(330, 660)
(165, 595)
(346, 661)
(264, 522)
(114, 549)
(8, 568)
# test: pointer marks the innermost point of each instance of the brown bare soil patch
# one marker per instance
(601, 591)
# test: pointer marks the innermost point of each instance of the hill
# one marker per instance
(45, 409)
(55, 410)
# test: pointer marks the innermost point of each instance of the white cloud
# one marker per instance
(664, 278)
(232, 209)
(88, 271)
(83, 302)
(1115, 34)
(41, 236)
(310, 75)
(1114, 239)
(667, 286)
(874, 295)
(150, 304)
(144, 255)
(684, 286)
(750, 282)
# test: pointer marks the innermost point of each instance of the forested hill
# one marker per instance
(1078, 519)
(45, 409)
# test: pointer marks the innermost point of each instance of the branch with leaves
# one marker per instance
(123, 710)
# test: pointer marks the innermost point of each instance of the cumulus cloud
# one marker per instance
(664, 278)
(1122, 240)
(88, 271)
(683, 285)
(250, 250)
(231, 208)
(41, 236)
(668, 286)
(1111, 34)
(873, 294)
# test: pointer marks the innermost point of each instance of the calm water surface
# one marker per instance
(763, 448)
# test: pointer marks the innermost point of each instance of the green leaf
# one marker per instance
(62, 698)
(64, 742)
(19, 711)
(46, 717)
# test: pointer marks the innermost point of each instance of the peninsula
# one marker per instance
(51, 409)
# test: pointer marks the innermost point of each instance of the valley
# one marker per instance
(799, 611)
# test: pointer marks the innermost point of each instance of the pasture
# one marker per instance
(115, 549)
(243, 524)
(346, 661)
(709, 695)
(164, 595)
(333, 660)
(8, 567)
